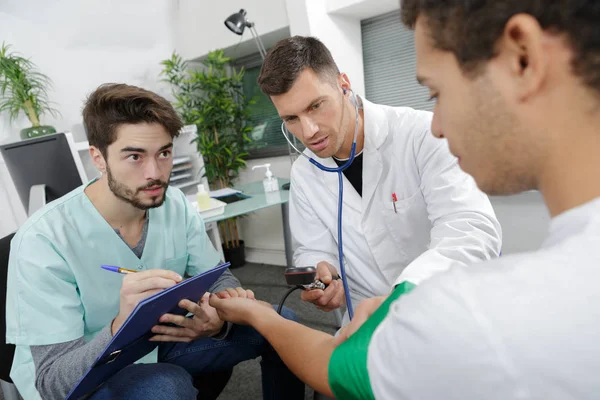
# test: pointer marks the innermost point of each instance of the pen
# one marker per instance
(118, 269)
(394, 200)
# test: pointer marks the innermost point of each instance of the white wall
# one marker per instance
(79, 45)
(361, 9)
(200, 27)
(340, 33)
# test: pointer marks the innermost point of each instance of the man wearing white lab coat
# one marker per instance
(518, 89)
(409, 212)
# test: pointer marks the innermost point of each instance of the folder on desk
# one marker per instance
(131, 342)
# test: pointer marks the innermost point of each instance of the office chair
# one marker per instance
(7, 351)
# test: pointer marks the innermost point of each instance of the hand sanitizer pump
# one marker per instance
(270, 183)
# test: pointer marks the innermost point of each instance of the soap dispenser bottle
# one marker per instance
(270, 183)
(202, 198)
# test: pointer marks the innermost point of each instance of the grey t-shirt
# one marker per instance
(138, 249)
(59, 366)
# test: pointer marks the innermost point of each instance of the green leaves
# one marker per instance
(22, 87)
(212, 98)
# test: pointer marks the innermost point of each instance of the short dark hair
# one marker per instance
(470, 28)
(112, 104)
(289, 58)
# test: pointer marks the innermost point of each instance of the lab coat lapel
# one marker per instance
(376, 131)
(331, 181)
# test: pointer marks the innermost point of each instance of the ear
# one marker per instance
(344, 82)
(521, 49)
(98, 159)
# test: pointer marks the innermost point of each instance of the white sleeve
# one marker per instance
(464, 228)
(311, 239)
(436, 344)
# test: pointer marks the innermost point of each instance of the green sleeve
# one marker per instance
(348, 375)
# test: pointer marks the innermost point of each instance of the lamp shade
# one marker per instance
(237, 22)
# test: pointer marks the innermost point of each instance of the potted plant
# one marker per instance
(212, 98)
(24, 89)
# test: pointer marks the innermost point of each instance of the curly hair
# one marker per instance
(470, 28)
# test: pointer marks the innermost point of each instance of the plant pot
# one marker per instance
(235, 255)
(36, 131)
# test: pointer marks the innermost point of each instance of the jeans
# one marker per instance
(171, 377)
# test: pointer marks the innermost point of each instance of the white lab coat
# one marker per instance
(442, 218)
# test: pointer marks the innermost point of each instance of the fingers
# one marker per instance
(350, 329)
(326, 300)
(182, 320)
(324, 272)
(237, 292)
(178, 320)
(203, 300)
(311, 296)
(171, 338)
(136, 298)
(175, 331)
(199, 310)
(341, 337)
(364, 310)
(222, 295)
(331, 292)
(153, 273)
(151, 283)
(354, 325)
(224, 304)
(340, 296)
(217, 301)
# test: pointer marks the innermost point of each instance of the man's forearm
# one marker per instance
(58, 367)
(305, 351)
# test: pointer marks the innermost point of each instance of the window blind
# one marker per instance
(390, 63)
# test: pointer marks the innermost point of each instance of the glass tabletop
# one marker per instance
(257, 201)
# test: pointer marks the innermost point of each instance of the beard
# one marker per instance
(132, 197)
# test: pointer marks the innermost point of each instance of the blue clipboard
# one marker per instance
(131, 343)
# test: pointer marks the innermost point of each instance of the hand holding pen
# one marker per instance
(140, 285)
(137, 286)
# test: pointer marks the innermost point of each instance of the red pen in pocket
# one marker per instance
(394, 200)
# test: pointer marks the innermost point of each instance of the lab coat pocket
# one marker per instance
(178, 264)
(408, 224)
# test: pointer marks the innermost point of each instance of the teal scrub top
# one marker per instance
(57, 291)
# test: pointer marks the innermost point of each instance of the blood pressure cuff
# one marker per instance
(348, 374)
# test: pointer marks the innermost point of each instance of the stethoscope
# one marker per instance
(339, 171)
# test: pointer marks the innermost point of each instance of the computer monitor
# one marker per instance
(43, 169)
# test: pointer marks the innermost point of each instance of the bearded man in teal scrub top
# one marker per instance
(62, 308)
